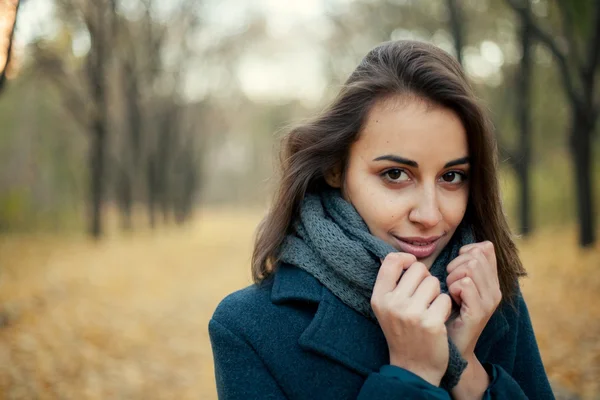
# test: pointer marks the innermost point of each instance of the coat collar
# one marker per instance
(336, 331)
(342, 334)
(292, 283)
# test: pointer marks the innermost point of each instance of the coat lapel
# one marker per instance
(345, 336)
(336, 331)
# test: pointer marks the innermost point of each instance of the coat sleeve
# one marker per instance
(396, 383)
(239, 371)
(528, 379)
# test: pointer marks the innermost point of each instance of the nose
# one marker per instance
(426, 211)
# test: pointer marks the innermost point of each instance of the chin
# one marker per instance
(428, 261)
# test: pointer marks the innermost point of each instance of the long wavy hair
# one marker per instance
(311, 150)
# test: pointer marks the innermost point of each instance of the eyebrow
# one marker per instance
(406, 161)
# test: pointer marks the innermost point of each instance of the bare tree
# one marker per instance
(578, 76)
(523, 112)
(84, 90)
(99, 17)
(137, 49)
(168, 116)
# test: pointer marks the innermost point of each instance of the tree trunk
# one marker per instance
(97, 157)
(152, 190)
(523, 112)
(96, 66)
(166, 143)
(581, 147)
(131, 150)
(125, 200)
(456, 23)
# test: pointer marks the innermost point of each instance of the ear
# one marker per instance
(333, 177)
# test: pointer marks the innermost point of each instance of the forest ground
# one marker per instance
(126, 318)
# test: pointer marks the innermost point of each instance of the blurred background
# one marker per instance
(137, 146)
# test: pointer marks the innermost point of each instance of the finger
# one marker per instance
(390, 272)
(465, 293)
(462, 271)
(461, 259)
(469, 247)
(426, 293)
(440, 308)
(485, 280)
(475, 268)
(484, 274)
(489, 251)
(486, 246)
(411, 280)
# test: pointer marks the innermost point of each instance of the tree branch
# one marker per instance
(567, 25)
(547, 40)
(590, 68)
(48, 64)
(456, 23)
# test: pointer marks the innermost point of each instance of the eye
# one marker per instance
(454, 177)
(395, 175)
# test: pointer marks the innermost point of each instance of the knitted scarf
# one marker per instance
(333, 243)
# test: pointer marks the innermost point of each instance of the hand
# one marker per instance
(473, 283)
(412, 314)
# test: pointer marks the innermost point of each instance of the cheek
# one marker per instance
(379, 208)
(454, 207)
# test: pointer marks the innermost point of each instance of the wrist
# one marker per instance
(473, 382)
(432, 377)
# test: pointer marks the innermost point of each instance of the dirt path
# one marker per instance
(127, 318)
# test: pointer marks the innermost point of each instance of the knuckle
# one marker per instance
(434, 283)
(498, 296)
(389, 261)
(408, 257)
(392, 257)
(431, 326)
(399, 258)
(419, 266)
(446, 299)
(375, 303)
(410, 317)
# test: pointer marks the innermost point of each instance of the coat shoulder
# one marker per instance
(241, 305)
(256, 315)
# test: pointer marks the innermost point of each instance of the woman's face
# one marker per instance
(407, 175)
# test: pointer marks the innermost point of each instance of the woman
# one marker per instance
(385, 268)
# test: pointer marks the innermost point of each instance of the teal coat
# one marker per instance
(291, 338)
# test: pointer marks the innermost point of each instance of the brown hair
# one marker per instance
(313, 149)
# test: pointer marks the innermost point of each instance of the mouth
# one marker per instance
(420, 247)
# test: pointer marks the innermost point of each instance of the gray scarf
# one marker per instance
(333, 244)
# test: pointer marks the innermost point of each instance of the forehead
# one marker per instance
(412, 128)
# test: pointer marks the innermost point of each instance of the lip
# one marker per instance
(419, 251)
